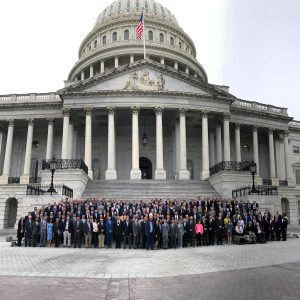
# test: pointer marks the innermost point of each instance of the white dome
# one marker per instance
(127, 7)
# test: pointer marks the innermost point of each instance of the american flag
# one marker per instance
(140, 27)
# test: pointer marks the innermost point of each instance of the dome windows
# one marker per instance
(161, 38)
(150, 35)
(126, 35)
(95, 44)
(180, 45)
(137, 4)
(90, 47)
(114, 37)
(171, 41)
(104, 40)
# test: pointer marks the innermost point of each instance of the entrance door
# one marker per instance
(146, 168)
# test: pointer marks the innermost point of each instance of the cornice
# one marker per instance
(29, 105)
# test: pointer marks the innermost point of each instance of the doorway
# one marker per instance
(146, 168)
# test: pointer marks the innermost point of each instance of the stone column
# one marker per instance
(238, 156)
(162, 61)
(8, 149)
(160, 173)
(116, 62)
(49, 149)
(177, 148)
(219, 155)
(187, 70)
(27, 162)
(102, 66)
(75, 144)
(91, 71)
(212, 150)
(286, 155)
(65, 136)
(70, 141)
(131, 58)
(135, 171)
(226, 137)
(88, 141)
(1, 139)
(205, 148)
(271, 155)
(255, 149)
(82, 75)
(111, 173)
(184, 174)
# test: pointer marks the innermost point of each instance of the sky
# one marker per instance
(253, 46)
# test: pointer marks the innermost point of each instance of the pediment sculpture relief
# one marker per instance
(145, 81)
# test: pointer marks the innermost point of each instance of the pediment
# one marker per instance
(144, 77)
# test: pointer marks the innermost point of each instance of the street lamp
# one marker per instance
(252, 167)
(52, 169)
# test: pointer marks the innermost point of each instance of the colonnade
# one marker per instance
(212, 145)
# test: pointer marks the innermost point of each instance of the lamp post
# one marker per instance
(52, 169)
(252, 167)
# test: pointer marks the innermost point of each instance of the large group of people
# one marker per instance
(157, 224)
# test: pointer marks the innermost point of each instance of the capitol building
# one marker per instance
(125, 126)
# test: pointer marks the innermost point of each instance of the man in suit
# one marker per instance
(127, 232)
(57, 232)
(173, 234)
(284, 227)
(220, 231)
(180, 232)
(149, 232)
(211, 231)
(78, 229)
(43, 232)
(118, 231)
(67, 227)
(35, 232)
(87, 229)
(28, 231)
(135, 231)
(165, 233)
(108, 231)
(192, 232)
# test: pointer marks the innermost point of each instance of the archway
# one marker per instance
(10, 212)
(285, 207)
(146, 168)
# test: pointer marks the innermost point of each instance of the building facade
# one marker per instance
(131, 118)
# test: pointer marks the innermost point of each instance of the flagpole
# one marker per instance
(144, 34)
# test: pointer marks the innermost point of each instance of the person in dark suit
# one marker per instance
(149, 232)
(35, 232)
(173, 234)
(78, 231)
(191, 234)
(28, 231)
(211, 231)
(43, 232)
(220, 231)
(127, 232)
(57, 230)
(108, 231)
(67, 228)
(118, 231)
(21, 231)
(284, 227)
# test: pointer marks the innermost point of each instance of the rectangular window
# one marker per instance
(297, 172)
(296, 150)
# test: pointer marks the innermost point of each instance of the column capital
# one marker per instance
(158, 110)
(135, 110)
(204, 113)
(270, 131)
(182, 111)
(50, 120)
(88, 110)
(237, 125)
(226, 116)
(30, 121)
(255, 128)
(66, 112)
(11, 122)
(286, 133)
(111, 110)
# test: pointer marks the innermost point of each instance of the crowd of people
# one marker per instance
(157, 224)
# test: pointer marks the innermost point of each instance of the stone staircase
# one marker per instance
(148, 189)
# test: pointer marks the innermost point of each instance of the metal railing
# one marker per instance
(35, 179)
(260, 190)
(66, 164)
(13, 180)
(267, 181)
(229, 166)
(44, 189)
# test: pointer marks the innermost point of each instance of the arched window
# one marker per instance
(150, 35)
(126, 35)
(137, 4)
(90, 47)
(161, 38)
(95, 44)
(180, 45)
(104, 40)
(171, 41)
(115, 37)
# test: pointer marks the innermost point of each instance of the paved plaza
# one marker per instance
(227, 272)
